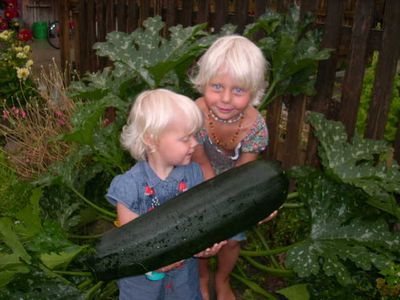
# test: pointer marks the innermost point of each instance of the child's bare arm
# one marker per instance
(124, 214)
(199, 156)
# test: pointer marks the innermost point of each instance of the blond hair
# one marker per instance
(151, 113)
(240, 58)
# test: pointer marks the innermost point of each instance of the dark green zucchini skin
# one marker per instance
(210, 212)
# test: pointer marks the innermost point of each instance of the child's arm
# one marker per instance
(246, 157)
(125, 215)
(200, 157)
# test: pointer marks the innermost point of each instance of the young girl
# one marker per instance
(159, 134)
(231, 78)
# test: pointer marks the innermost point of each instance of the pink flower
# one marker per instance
(148, 191)
(6, 115)
(22, 113)
(182, 186)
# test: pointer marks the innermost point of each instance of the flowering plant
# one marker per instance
(16, 84)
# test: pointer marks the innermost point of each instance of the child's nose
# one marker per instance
(226, 96)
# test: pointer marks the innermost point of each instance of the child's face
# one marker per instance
(175, 146)
(225, 97)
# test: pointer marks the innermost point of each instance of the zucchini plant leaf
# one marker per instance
(341, 230)
(360, 162)
(292, 49)
(61, 259)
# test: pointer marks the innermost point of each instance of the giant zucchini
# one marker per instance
(194, 220)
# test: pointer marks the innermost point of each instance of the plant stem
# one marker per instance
(269, 270)
(254, 286)
(268, 98)
(92, 290)
(265, 244)
(292, 195)
(73, 273)
(87, 201)
(84, 237)
(266, 252)
(292, 205)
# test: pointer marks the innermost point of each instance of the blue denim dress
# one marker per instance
(141, 190)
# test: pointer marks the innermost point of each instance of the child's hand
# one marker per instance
(170, 267)
(211, 251)
(269, 218)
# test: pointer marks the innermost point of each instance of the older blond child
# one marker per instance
(231, 79)
(159, 134)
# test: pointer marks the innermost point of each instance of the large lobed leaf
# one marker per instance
(343, 230)
(360, 162)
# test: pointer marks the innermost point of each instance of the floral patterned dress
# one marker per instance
(254, 142)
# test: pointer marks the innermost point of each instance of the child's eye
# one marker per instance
(217, 86)
(238, 90)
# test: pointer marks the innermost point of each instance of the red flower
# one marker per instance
(182, 186)
(25, 35)
(148, 191)
(11, 13)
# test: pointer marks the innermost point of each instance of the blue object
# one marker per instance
(154, 276)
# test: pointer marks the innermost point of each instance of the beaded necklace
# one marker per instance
(217, 140)
(229, 121)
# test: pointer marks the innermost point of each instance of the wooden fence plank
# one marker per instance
(144, 10)
(121, 15)
(274, 111)
(241, 14)
(203, 11)
(101, 28)
(91, 35)
(187, 11)
(353, 79)
(294, 128)
(326, 69)
(221, 14)
(132, 15)
(170, 14)
(295, 117)
(397, 145)
(385, 72)
(83, 41)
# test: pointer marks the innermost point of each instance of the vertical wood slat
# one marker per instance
(295, 117)
(385, 72)
(326, 69)
(274, 111)
(132, 16)
(170, 14)
(65, 46)
(397, 145)
(353, 79)
(101, 27)
(187, 11)
(83, 40)
(91, 35)
(144, 10)
(221, 14)
(203, 11)
(241, 14)
(121, 13)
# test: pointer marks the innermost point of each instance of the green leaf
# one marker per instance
(61, 259)
(12, 240)
(295, 292)
(361, 163)
(342, 230)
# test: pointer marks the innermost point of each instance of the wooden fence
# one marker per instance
(354, 28)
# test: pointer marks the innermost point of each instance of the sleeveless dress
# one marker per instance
(255, 141)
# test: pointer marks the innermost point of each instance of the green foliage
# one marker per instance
(361, 163)
(366, 97)
(292, 49)
(350, 227)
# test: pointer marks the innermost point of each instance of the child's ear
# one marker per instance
(149, 141)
